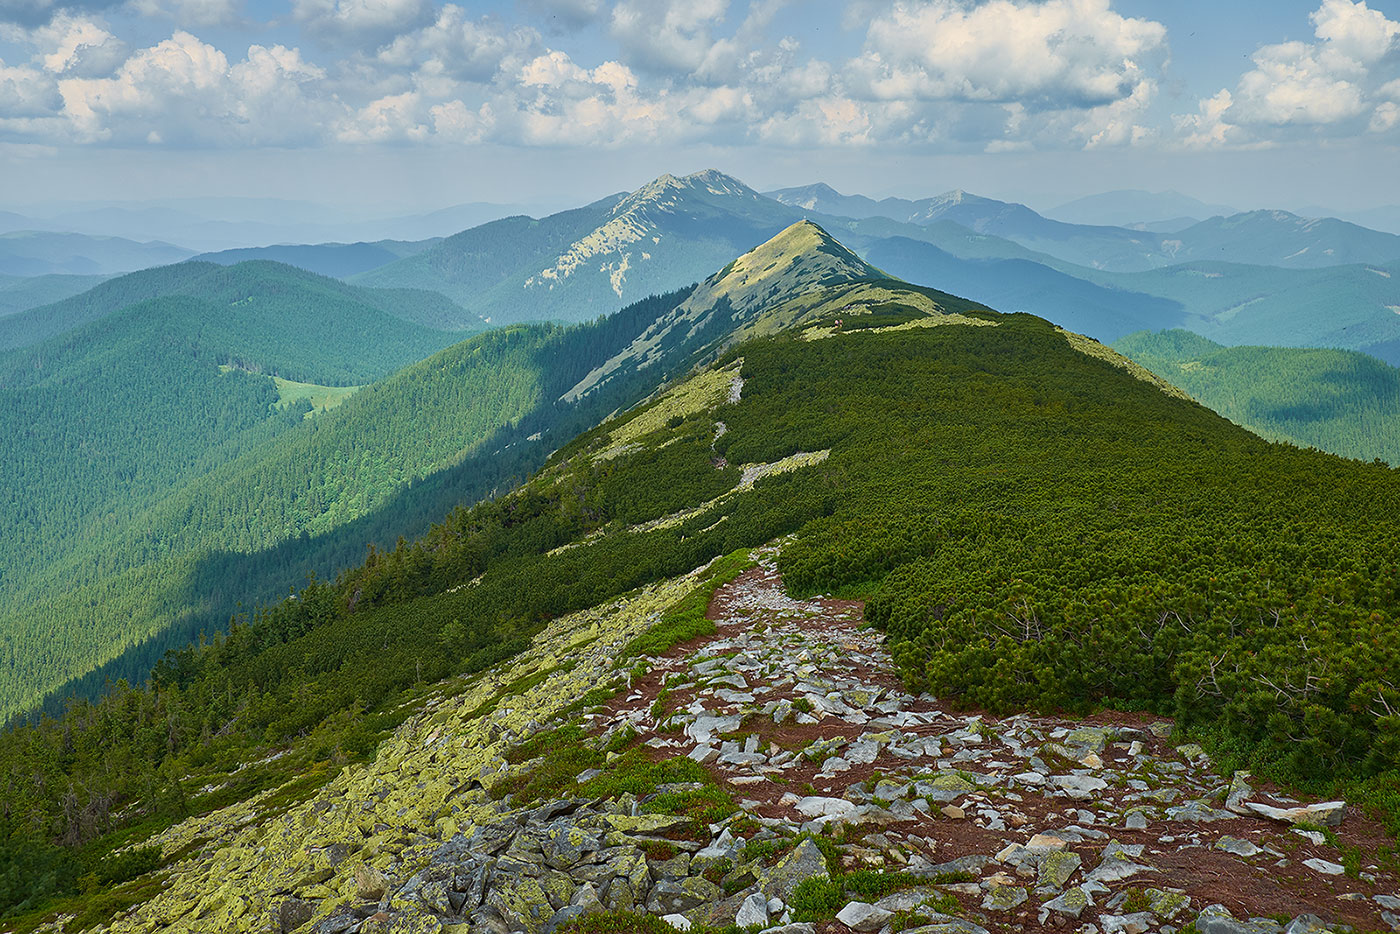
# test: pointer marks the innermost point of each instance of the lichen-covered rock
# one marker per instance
(804, 861)
(523, 903)
(1056, 868)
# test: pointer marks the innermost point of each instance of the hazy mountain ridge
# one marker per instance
(338, 260)
(38, 253)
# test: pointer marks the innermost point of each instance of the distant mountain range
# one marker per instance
(1273, 238)
(1134, 208)
(41, 253)
(340, 260)
(215, 224)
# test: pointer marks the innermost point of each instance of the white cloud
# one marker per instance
(363, 20)
(667, 36)
(1116, 124)
(27, 92)
(1051, 54)
(1207, 129)
(183, 91)
(1333, 86)
(1354, 30)
(460, 47)
(77, 46)
(1292, 84)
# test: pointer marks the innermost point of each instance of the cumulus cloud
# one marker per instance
(1334, 85)
(27, 92)
(460, 47)
(1051, 54)
(77, 46)
(184, 91)
(667, 36)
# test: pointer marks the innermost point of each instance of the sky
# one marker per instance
(417, 104)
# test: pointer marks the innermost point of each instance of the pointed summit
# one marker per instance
(798, 259)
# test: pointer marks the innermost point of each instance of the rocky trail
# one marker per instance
(1081, 825)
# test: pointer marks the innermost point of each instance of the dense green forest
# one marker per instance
(229, 497)
(20, 293)
(315, 311)
(1035, 526)
(1341, 401)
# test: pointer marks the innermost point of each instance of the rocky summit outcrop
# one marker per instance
(773, 776)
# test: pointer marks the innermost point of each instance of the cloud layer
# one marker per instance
(951, 75)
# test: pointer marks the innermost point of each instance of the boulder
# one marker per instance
(802, 862)
(863, 917)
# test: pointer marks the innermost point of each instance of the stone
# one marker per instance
(863, 917)
(1057, 868)
(1324, 866)
(522, 902)
(1004, 897)
(1135, 819)
(1190, 751)
(370, 883)
(953, 812)
(667, 896)
(1114, 867)
(293, 913)
(1070, 903)
(1166, 905)
(1237, 846)
(802, 862)
(1139, 922)
(1307, 924)
(949, 925)
(1197, 812)
(804, 927)
(1239, 790)
(815, 806)
(1079, 786)
(1326, 814)
(1093, 738)
(1217, 920)
(754, 910)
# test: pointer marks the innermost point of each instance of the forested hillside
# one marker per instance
(1036, 526)
(340, 260)
(1341, 401)
(20, 293)
(150, 543)
(301, 304)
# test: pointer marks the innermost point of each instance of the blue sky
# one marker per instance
(421, 103)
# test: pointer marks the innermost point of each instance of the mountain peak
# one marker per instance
(797, 258)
